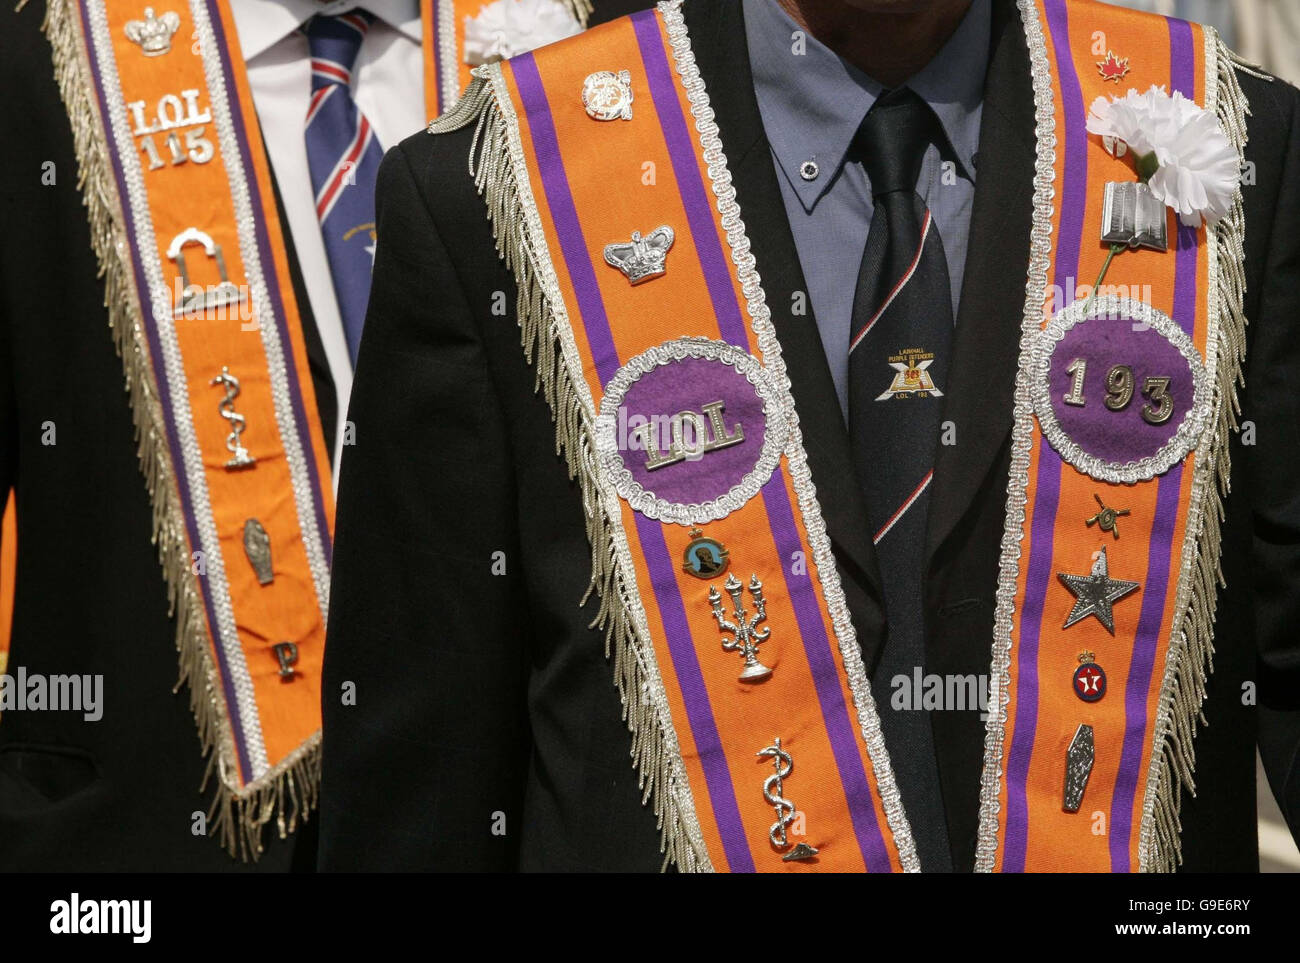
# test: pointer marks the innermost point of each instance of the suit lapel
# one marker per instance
(986, 342)
(718, 40)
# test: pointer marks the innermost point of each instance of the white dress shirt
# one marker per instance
(388, 85)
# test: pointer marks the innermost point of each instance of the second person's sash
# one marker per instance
(753, 725)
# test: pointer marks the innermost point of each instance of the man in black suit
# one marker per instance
(486, 733)
(118, 793)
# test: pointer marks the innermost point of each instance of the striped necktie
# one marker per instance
(344, 157)
(898, 366)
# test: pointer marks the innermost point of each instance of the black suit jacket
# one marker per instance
(117, 794)
(487, 732)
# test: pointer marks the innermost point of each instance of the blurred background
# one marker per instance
(1266, 32)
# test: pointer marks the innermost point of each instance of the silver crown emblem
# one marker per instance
(153, 34)
(644, 258)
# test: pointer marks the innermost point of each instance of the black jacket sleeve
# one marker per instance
(1272, 461)
(425, 728)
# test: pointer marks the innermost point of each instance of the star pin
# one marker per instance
(1107, 518)
(1095, 593)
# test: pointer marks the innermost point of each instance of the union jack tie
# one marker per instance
(344, 157)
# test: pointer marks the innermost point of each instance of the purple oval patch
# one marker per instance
(1120, 392)
(690, 430)
(695, 429)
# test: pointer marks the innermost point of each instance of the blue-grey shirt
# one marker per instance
(812, 102)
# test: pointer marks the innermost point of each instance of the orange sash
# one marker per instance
(187, 232)
(673, 407)
(1116, 704)
(199, 296)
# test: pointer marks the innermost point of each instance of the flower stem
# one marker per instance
(1114, 249)
(1146, 165)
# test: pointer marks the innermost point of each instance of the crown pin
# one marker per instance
(644, 258)
(153, 34)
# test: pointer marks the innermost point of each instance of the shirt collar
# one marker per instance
(262, 24)
(821, 99)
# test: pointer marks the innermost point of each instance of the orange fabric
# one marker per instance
(1057, 840)
(433, 78)
(621, 179)
(195, 194)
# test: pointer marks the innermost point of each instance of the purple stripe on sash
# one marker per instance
(1183, 79)
(695, 696)
(1154, 589)
(164, 389)
(1138, 686)
(573, 244)
(1182, 65)
(672, 610)
(1039, 578)
(822, 658)
(718, 279)
(696, 198)
(238, 121)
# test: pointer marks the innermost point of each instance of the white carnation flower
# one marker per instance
(1181, 150)
(507, 28)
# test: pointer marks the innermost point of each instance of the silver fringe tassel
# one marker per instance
(1192, 650)
(497, 180)
(288, 793)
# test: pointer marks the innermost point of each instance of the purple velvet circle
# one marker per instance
(687, 385)
(1104, 342)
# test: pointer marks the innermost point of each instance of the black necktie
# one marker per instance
(898, 366)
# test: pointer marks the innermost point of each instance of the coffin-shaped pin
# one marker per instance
(1078, 767)
(257, 546)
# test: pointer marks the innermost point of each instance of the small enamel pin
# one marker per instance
(1113, 68)
(608, 95)
(704, 557)
(1089, 678)
(643, 258)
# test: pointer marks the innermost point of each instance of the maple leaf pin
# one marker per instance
(1113, 68)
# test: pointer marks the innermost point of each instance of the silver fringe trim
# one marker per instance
(1040, 250)
(288, 792)
(1191, 650)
